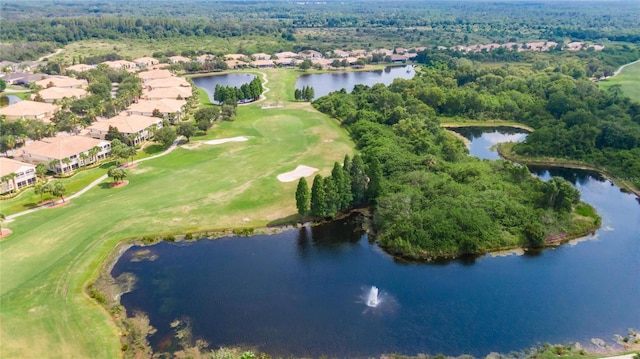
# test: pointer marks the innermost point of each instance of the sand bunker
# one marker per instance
(225, 140)
(300, 171)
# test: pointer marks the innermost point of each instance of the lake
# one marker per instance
(208, 83)
(325, 83)
(303, 292)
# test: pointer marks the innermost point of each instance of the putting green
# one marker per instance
(53, 254)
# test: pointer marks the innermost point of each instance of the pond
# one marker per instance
(6, 100)
(208, 83)
(325, 83)
(303, 292)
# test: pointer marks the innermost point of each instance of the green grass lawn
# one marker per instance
(53, 254)
(629, 79)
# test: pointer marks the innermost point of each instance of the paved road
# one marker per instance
(173, 146)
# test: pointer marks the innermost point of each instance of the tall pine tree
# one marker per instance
(303, 197)
(331, 196)
(358, 180)
(318, 204)
(375, 180)
(343, 187)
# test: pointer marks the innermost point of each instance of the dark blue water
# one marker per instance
(483, 139)
(325, 83)
(208, 83)
(302, 292)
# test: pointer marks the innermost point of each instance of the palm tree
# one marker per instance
(67, 162)
(83, 158)
(54, 165)
(39, 189)
(41, 171)
(93, 152)
(59, 190)
(10, 141)
(11, 177)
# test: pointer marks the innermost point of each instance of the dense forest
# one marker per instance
(324, 26)
(432, 199)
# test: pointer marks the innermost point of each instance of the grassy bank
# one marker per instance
(628, 79)
(53, 254)
(506, 150)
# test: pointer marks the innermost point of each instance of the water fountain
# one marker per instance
(372, 299)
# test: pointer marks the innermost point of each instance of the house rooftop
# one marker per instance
(154, 74)
(80, 67)
(168, 92)
(58, 93)
(126, 124)
(62, 81)
(28, 109)
(8, 166)
(167, 82)
(61, 147)
(162, 105)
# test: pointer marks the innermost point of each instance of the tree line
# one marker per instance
(306, 93)
(244, 93)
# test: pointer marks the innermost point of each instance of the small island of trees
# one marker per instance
(245, 93)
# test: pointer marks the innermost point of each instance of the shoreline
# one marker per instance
(505, 151)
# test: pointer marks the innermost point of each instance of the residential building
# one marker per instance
(121, 65)
(62, 82)
(261, 64)
(144, 62)
(28, 110)
(286, 55)
(15, 175)
(204, 58)
(80, 67)
(287, 62)
(63, 154)
(52, 94)
(170, 109)
(242, 57)
(166, 82)
(341, 53)
(236, 64)
(22, 78)
(176, 93)
(139, 127)
(177, 59)
(261, 56)
(147, 76)
(310, 54)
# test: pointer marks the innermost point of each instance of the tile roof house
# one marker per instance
(52, 151)
(22, 78)
(166, 82)
(236, 64)
(121, 65)
(262, 63)
(139, 126)
(175, 93)
(341, 53)
(80, 67)
(169, 108)
(25, 175)
(146, 76)
(145, 61)
(236, 57)
(310, 54)
(176, 59)
(261, 56)
(286, 55)
(62, 81)
(51, 94)
(29, 110)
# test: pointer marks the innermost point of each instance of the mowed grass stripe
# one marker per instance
(53, 254)
(628, 79)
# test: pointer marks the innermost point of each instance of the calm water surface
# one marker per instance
(325, 83)
(208, 83)
(302, 292)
